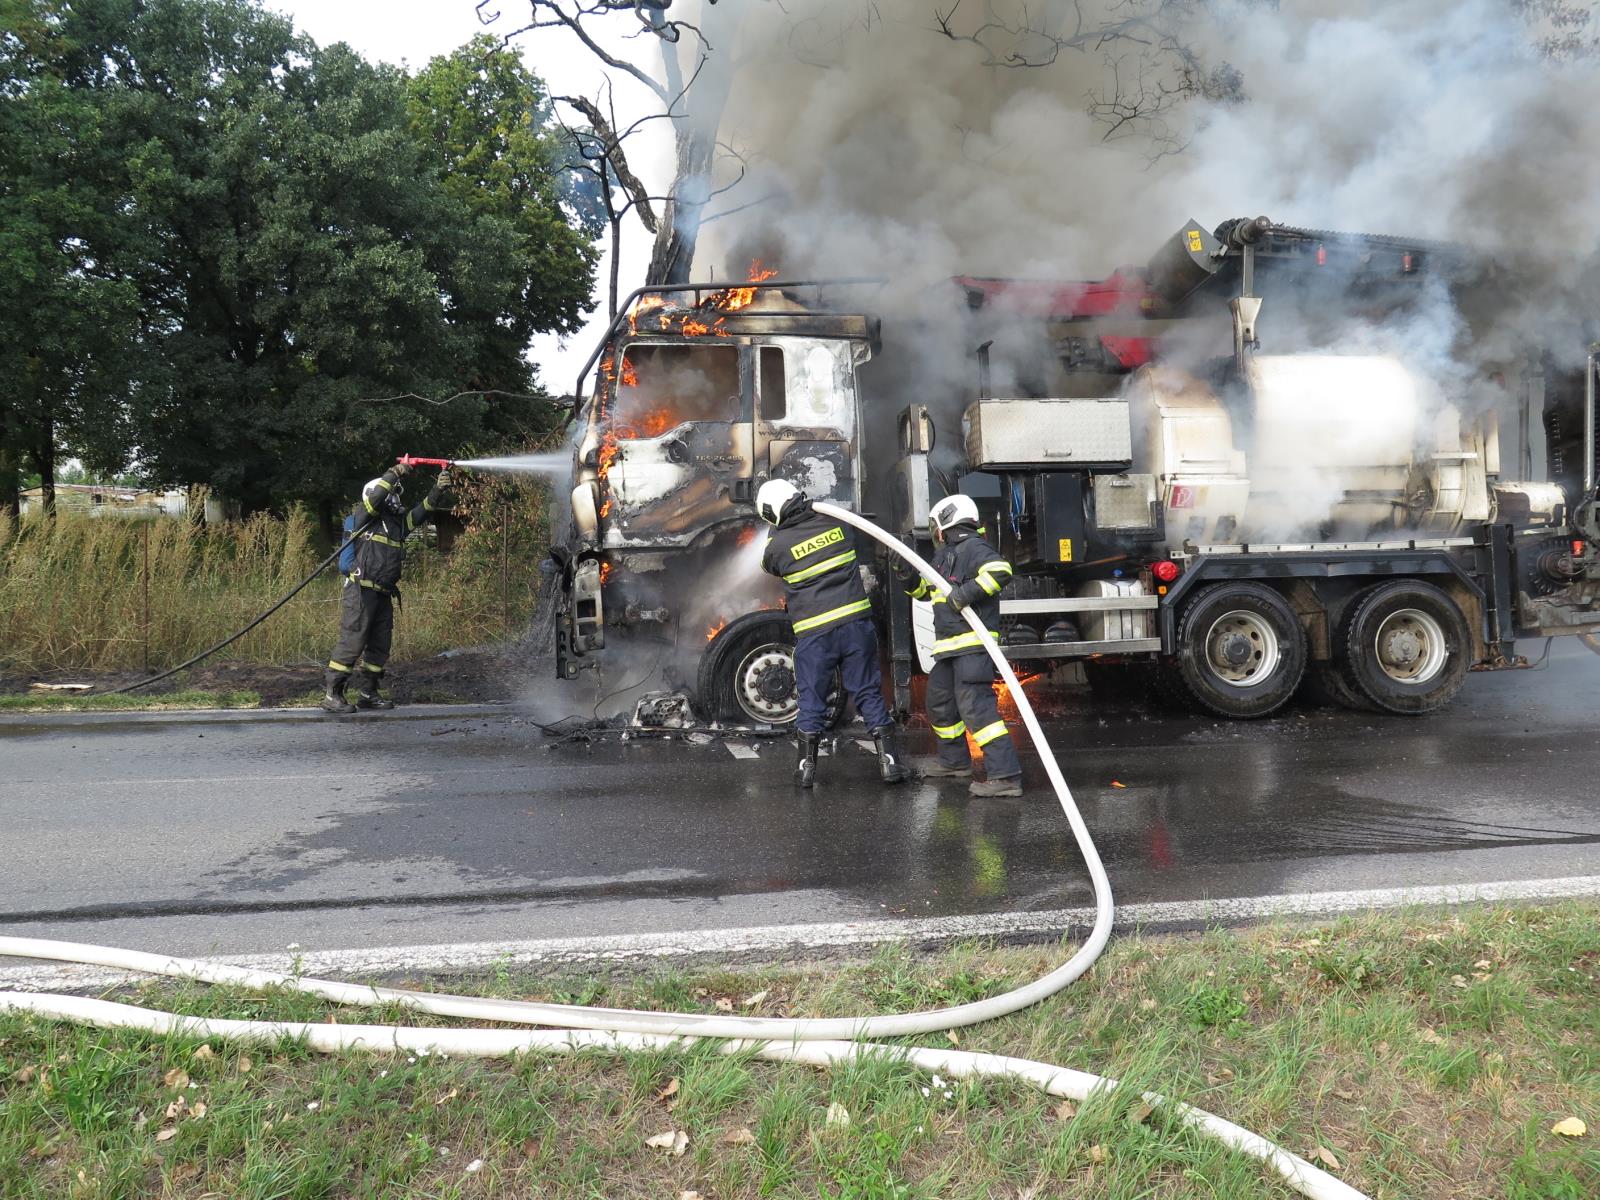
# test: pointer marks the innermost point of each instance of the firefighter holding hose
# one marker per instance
(815, 556)
(961, 684)
(372, 565)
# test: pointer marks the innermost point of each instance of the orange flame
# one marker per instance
(605, 573)
(651, 424)
(645, 304)
(736, 298)
(1006, 701)
(716, 629)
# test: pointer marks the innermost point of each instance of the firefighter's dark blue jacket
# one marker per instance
(965, 558)
(815, 556)
(381, 547)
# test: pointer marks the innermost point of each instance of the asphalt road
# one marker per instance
(232, 834)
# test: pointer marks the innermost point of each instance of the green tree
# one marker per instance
(299, 252)
(68, 323)
(489, 122)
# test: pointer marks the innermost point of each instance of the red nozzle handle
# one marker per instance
(411, 460)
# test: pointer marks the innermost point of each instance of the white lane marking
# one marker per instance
(461, 956)
(741, 749)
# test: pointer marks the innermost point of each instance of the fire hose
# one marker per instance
(814, 1041)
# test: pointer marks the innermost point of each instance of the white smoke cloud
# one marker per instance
(894, 149)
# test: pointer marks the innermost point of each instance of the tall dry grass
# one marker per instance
(73, 589)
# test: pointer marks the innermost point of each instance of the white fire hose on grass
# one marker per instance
(814, 1041)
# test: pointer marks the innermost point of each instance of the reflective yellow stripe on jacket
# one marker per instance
(827, 564)
(832, 615)
(962, 641)
(992, 576)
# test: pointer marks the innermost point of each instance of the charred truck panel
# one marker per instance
(700, 396)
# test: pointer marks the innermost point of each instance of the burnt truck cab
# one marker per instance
(699, 395)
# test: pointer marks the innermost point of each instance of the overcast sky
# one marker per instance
(413, 31)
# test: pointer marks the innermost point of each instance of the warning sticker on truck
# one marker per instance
(1066, 549)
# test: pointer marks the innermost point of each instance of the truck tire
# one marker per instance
(1405, 647)
(747, 674)
(1241, 651)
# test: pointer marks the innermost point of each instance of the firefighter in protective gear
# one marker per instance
(366, 620)
(815, 556)
(961, 684)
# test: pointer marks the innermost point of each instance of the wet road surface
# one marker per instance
(243, 835)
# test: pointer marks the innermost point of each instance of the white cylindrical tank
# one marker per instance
(1184, 437)
(1314, 446)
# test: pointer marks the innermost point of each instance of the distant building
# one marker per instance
(107, 499)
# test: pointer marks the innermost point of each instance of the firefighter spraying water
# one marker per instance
(372, 563)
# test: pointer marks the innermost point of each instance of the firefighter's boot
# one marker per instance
(1010, 785)
(368, 697)
(941, 770)
(805, 767)
(890, 768)
(333, 699)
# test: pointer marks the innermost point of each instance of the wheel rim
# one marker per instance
(1410, 647)
(1242, 649)
(763, 684)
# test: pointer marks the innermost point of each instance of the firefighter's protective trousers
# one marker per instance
(366, 631)
(961, 701)
(851, 648)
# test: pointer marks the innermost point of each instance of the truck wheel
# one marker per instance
(1405, 647)
(1241, 651)
(747, 674)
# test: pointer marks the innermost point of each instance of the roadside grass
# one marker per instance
(131, 702)
(73, 589)
(1428, 1055)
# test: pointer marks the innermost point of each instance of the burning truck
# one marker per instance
(1181, 507)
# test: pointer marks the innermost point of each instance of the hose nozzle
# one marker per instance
(411, 460)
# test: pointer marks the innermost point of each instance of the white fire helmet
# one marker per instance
(951, 511)
(772, 497)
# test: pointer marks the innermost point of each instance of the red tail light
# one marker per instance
(1322, 256)
(1165, 571)
(1578, 547)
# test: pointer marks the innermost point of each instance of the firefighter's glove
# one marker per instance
(965, 595)
(399, 470)
(443, 481)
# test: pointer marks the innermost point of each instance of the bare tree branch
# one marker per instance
(612, 153)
